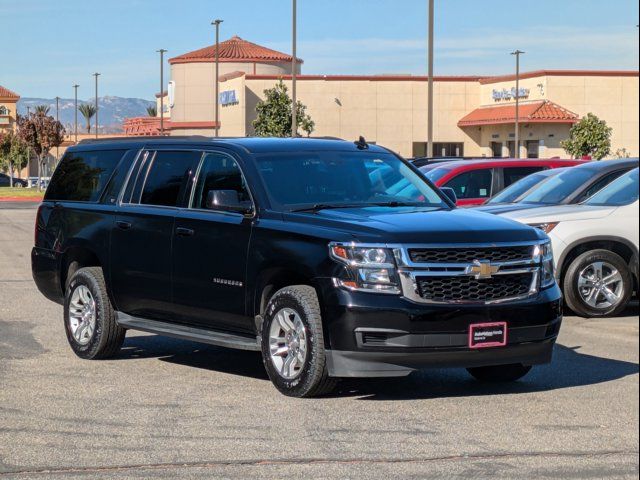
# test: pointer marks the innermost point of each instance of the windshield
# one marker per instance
(621, 191)
(513, 192)
(434, 174)
(324, 179)
(558, 188)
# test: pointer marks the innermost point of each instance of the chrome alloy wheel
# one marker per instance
(288, 343)
(82, 315)
(600, 285)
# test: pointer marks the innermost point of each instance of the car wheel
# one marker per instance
(598, 283)
(293, 343)
(89, 318)
(500, 373)
(18, 184)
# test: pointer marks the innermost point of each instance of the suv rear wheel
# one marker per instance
(598, 283)
(293, 343)
(89, 318)
(499, 373)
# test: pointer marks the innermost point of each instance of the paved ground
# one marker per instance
(175, 409)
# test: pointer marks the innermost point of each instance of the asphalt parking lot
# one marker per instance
(168, 408)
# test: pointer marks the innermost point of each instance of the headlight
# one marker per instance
(545, 227)
(545, 253)
(373, 269)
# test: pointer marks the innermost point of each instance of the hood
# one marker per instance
(418, 225)
(561, 213)
(500, 208)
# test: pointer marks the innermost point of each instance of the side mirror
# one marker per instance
(450, 194)
(226, 200)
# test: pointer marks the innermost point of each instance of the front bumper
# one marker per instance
(374, 335)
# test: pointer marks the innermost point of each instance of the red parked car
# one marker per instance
(475, 181)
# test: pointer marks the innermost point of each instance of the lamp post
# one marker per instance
(294, 101)
(96, 75)
(517, 54)
(162, 52)
(75, 128)
(430, 83)
(216, 125)
(57, 120)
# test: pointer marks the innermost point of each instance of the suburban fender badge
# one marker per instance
(482, 269)
(225, 281)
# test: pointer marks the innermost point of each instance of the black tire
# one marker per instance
(499, 373)
(313, 379)
(107, 336)
(572, 295)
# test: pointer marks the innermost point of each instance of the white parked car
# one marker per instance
(595, 245)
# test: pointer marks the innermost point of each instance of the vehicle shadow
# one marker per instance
(569, 368)
(193, 354)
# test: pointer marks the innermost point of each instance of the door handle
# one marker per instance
(123, 225)
(184, 232)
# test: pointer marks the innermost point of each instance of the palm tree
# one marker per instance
(42, 110)
(152, 111)
(88, 110)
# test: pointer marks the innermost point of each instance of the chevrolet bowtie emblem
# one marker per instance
(482, 269)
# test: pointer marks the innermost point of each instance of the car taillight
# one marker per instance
(35, 227)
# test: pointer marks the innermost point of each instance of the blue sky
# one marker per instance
(49, 45)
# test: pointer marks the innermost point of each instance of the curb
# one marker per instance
(21, 199)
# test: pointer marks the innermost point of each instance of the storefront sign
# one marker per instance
(508, 94)
(228, 97)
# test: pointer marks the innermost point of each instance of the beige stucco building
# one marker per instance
(8, 109)
(473, 116)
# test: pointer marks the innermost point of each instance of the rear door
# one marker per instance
(472, 187)
(143, 232)
(210, 246)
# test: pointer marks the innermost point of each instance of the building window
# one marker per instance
(4, 110)
(448, 149)
(533, 148)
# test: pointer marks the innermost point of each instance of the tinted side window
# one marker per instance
(599, 185)
(473, 184)
(218, 172)
(166, 179)
(512, 175)
(82, 176)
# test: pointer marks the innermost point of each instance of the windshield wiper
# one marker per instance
(327, 206)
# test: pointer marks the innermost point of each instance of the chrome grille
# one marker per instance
(468, 255)
(469, 289)
(478, 274)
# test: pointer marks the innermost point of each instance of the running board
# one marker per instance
(203, 335)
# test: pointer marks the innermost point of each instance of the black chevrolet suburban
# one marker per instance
(332, 258)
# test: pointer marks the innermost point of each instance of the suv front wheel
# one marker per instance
(293, 343)
(89, 318)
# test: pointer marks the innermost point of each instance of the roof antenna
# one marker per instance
(361, 143)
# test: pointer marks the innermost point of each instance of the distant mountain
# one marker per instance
(112, 111)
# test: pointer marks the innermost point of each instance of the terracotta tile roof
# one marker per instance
(234, 50)
(6, 93)
(542, 111)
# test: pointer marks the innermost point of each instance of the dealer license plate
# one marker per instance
(486, 335)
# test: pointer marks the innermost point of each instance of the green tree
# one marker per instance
(589, 137)
(88, 110)
(42, 109)
(152, 111)
(14, 153)
(274, 114)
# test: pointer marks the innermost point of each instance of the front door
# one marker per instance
(143, 232)
(210, 250)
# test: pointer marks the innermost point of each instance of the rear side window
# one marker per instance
(512, 175)
(82, 176)
(167, 176)
(472, 184)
